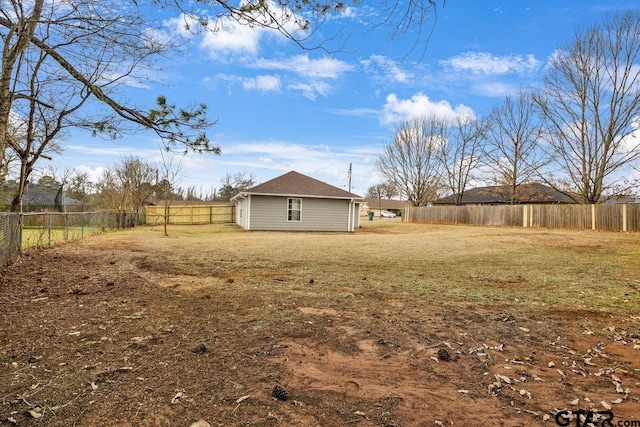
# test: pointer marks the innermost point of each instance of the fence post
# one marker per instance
(624, 217)
(593, 216)
(20, 231)
(49, 228)
(525, 220)
(531, 216)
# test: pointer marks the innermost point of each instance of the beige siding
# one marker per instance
(270, 213)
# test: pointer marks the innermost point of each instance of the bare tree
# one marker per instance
(513, 152)
(385, 190)
(590, 101)
(127, 186)
(460, 152)
(411, 161)
(233, 184)
(170, 174)
(80, 186)
(136, 180)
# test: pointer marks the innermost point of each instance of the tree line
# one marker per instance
(579, 132)
(133, 183)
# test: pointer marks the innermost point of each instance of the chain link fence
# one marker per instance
(10, 236)
(49, 228)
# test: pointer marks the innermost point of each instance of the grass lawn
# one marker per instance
(40, 236)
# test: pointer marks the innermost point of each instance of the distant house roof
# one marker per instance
(374, 203)
(38, 197)
(501, 194)
(297, 184)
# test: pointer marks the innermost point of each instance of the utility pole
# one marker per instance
(350, 169)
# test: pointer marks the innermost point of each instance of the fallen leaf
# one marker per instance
(575, 401)
(177, 397)
(242, 399)
(503, 378)
(35, 414)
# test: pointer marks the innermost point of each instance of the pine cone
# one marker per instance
(279, 392)
(200, 348)
(444, 355)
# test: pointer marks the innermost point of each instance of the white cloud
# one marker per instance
(325, 68)
(183, 26)
(263, 83)
(221, 37)
(94, 174)
(397, 111)
(231, 37)
(312, 89)
(495, 89)
(310, 76)
(631, 141)
(488, 64)
(385, 69)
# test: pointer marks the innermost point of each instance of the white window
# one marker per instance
(294, 210)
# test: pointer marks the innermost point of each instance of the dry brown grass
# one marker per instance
(456, 264)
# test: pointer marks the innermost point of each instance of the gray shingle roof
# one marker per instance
(498, 194)
(297, 184)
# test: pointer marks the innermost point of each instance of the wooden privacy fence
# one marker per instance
(609, 217)
(191, 214)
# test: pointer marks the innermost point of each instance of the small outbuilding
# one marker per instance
(296, 202)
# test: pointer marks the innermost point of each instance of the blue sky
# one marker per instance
(282, 108)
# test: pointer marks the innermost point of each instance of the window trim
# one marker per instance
(290, 210)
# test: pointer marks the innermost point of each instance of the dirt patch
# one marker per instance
(102, 333)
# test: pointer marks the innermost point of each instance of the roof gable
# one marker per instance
(297, 184)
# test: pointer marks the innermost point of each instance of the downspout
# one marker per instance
(350, 219)
(248, 212)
